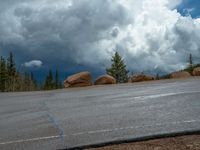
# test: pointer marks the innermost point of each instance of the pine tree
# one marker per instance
(49, 85)
(118, 69)
(26, 82)
(50, 79)
(57, 86)
(190, 67)
(12, 80)
(60, 85)
(18, 82)
(46, 83)
(11, 70)
(33, 82)
(190, 60)
(3, 75)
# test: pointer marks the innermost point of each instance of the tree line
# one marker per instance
(191, 65)
(12, 80)
(120, 73)
(52, 82)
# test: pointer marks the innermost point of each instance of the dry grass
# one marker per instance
(191, 142)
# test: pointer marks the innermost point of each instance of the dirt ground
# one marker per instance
(190, 142)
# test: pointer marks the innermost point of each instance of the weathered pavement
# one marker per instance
(83, 116)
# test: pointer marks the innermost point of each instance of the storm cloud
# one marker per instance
(149, 34)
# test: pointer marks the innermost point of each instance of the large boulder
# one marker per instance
(105, 79)
(78, 80)
(180, 74)
(142, 77)
(196, 71)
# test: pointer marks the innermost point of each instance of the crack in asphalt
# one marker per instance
(52, 119)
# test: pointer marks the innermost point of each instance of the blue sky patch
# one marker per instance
(190, 7)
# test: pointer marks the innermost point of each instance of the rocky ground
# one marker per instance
(191, 142)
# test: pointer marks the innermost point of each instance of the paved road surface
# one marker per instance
(82, 116)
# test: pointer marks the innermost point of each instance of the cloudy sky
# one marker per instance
(75, 35)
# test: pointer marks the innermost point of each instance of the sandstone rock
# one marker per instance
(180, 74)
(78, 80)
(142, 77)
(196, 71)
(105, 79)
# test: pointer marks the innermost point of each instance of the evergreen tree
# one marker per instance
(46, 83)
(118, 69)
(56, 79)
(190, 60)
(190, 67)
(12, 80)
(3, 75)
(19, 82)
(27, 82)
(49, 84)
(60, 85)
(11, 70)
(33, 82)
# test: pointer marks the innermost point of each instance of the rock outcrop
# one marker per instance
(105, 79)
(180, 74)
(78, 80)
(142, 77)
(196, 71)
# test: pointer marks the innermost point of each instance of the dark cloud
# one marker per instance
(86, 32)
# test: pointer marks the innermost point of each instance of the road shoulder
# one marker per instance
(187, 142)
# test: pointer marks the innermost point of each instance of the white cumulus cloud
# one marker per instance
(150, 34)
(33, 63)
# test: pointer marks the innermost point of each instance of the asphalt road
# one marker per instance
(82, 116)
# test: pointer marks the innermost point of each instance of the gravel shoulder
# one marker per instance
(189, 142)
